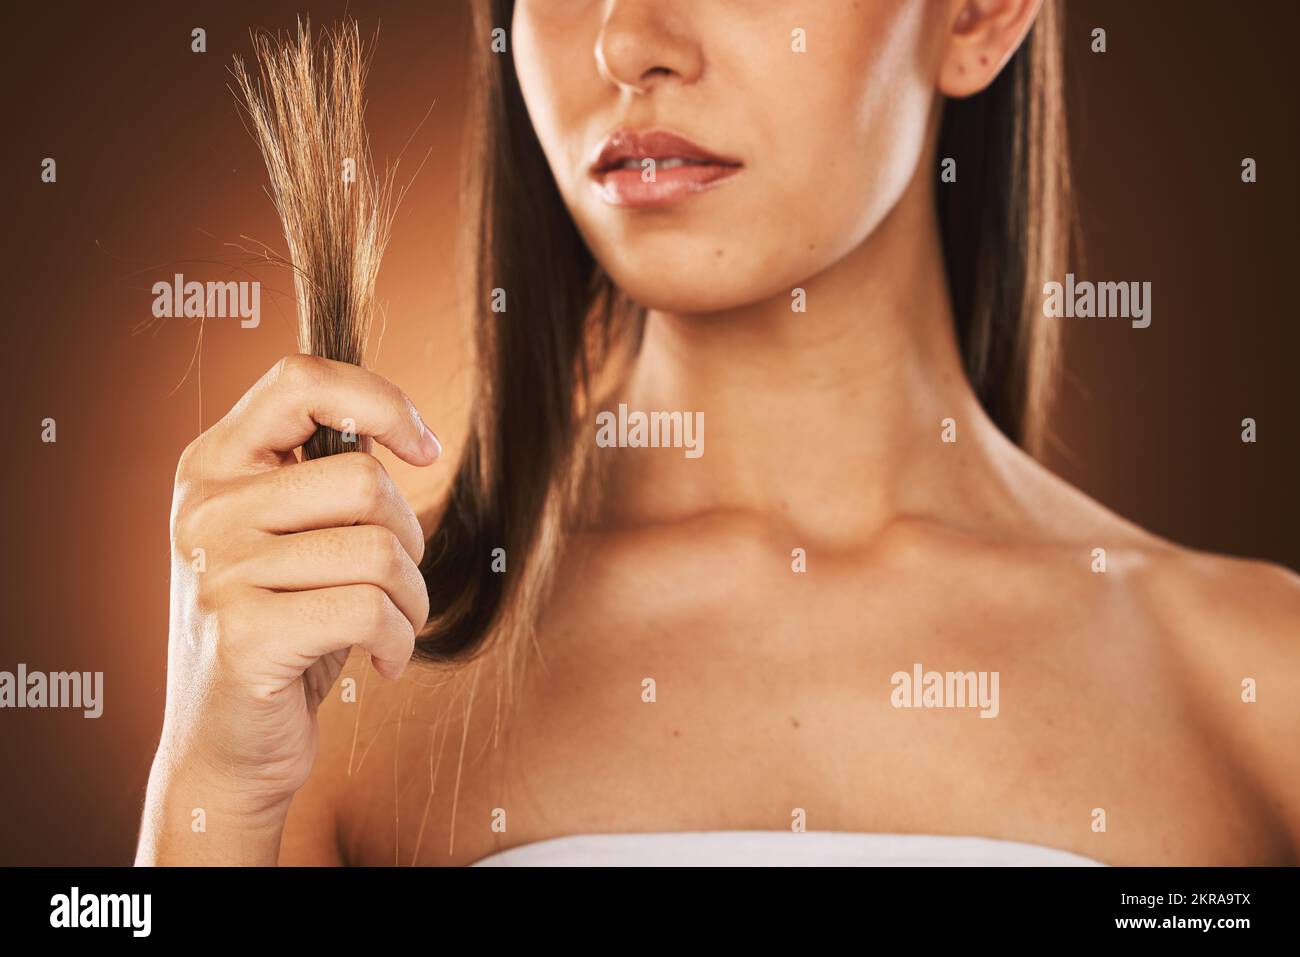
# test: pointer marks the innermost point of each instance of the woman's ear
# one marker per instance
(982, 36)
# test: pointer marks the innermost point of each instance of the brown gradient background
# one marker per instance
(156, 174)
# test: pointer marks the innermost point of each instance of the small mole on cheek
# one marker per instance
(719, 253)
(984, 61)
(794, 722)
(812, 246)
(676, 733)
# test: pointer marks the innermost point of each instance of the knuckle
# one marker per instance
(188, 521)
(407, 641)
(298, 372)
(384, 553)
(417, 536)
(205, 599)
(398, 639)
(368, 479)
(422, 598)
(189, 462)
(208, 602)
(181, 525)
(402, 417)
(373, 607)
(188, 459)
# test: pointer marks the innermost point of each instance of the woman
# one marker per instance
(777, 639)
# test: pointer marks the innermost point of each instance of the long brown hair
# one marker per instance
(522, 469)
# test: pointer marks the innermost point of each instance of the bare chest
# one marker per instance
(830, 711)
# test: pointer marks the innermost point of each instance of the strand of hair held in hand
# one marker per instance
(305, 101)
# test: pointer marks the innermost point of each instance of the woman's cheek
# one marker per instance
(552, 96)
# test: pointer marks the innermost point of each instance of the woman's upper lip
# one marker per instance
(625, 144)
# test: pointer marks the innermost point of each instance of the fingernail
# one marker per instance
(429, 442)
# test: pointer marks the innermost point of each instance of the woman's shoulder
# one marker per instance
(1218, 603)
(1226, 629)
(1234, 625)
(1222, 610)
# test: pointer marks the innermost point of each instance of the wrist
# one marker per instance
(195, 816)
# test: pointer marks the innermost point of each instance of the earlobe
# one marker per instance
(983, 35)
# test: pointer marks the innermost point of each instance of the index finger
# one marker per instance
(300, 392)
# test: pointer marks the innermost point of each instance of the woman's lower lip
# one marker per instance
(626, 187)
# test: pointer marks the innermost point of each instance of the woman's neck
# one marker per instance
(831, 417)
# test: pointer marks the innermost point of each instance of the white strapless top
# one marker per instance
(780, 849)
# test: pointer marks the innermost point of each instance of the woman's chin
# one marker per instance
(689, 290)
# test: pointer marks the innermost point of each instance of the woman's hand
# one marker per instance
(278, 569)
